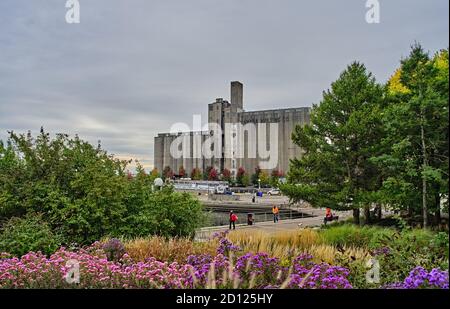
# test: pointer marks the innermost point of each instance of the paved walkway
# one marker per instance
(269, 226)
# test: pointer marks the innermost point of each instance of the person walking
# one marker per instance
(233, 219)
(275, 212)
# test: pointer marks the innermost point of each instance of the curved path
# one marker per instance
(271, 227)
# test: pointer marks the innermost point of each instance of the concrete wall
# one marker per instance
(222, 112)
(163, 158)
(286, 119)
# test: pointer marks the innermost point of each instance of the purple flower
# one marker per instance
(419, 278)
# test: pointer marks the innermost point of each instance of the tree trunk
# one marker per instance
(438, 209)
(424, 180)
(356, 216)
(410, 212)
(367, 214)
(379, 211)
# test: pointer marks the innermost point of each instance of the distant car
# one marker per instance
(220, 190)
(274, 192)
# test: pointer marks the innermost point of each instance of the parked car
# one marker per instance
(274, 192)
(221, 189)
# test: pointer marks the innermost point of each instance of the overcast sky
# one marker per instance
(132, 68)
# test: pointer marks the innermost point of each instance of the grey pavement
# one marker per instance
(282, 225)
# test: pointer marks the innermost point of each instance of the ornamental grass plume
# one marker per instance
(171, 250)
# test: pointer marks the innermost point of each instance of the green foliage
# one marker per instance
(196, 174)
(164, 213)
(371, 144)
(265, 179)
(354, 236)
(415, 133)
(397, 251)
(409, 249)
(341, 137)
(19, 236)
(256, 176)
(86, 194)
(245, 181)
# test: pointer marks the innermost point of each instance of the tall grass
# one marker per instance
(262, 241)
(289, 244)
(170, 250)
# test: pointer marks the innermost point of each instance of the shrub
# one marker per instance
(346, 235)
(164, 213)
(85, 193)
(408, 249)
(30, 233)
(355, 236)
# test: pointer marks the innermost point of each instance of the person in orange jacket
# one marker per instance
(275, 212)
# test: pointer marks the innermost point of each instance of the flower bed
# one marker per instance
(108, 266)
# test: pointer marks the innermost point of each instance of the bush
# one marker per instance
(165, 213)
(353, 235)
(30, 233)
(85, 193)
(411, 248)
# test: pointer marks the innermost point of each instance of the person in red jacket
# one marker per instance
(328, 216)
(233, 219)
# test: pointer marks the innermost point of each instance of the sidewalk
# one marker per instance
(271, 227)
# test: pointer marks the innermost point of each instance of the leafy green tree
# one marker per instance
(82, 192)
(196, 174)
(256, 176)
(265, 179)
(335, 170)
(245, 180)
(416, 134)
(275, 176)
